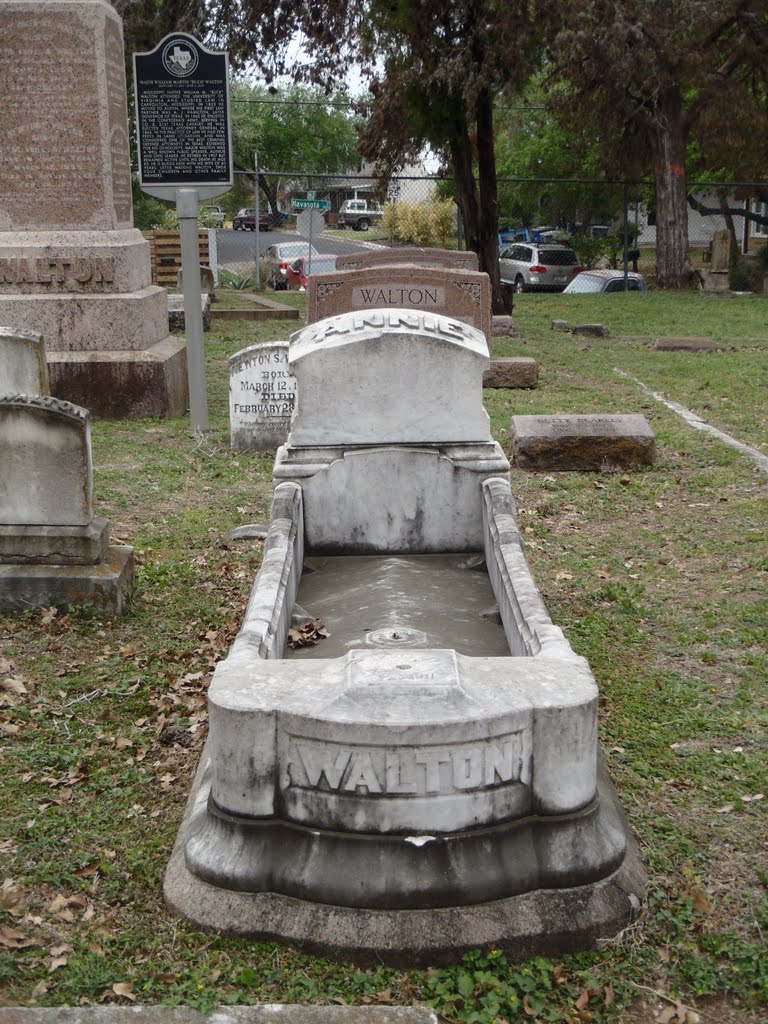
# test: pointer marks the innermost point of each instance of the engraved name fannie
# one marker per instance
(417, 771)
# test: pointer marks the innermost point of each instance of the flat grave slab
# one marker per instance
(688, 345)
(581, 442)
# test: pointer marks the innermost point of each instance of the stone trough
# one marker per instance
(429, 781)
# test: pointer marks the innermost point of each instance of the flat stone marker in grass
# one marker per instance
(581, 442)
(688, 345)
(23, 369)
(52, 546)
(512, 372)
(262, 396)
(590, 330)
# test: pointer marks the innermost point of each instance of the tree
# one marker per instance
(655, 74)
(297, 129)
(434, 70)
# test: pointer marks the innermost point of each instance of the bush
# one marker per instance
(425, 224)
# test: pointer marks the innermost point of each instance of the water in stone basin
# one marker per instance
(400, 601)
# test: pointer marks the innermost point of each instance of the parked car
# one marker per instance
(298, 271)
(538, 268)
(245, 220)
(276, 259)
(359, 214)
(213, 216)
(606, 281)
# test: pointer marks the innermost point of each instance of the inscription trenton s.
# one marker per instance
(407, 771)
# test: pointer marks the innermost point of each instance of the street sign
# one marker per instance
(393, 192)
(311, 204)
(182, 118)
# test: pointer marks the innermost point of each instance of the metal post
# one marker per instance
(459, 227)
(257, 274)
(187, 206)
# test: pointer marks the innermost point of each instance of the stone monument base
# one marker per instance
(117, 385)
(548, 922)
(105, 586)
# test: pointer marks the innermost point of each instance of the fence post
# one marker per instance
(625, 204)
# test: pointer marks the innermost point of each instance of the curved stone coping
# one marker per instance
(528, 627)
(268, 615)
(542, 922)
(400, 871)
(47, 404)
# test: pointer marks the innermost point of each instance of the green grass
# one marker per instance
(658, 576)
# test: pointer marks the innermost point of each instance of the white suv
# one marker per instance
(359, 214)
(538, 268)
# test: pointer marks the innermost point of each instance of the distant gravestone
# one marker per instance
(688, 345)
(581, 442)
(262, 397)
(52, 547)
(512, 372)
(721, 252)
(23, 369)
(423, 257)
(463, 295)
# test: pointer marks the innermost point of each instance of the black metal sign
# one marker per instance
(182, 116)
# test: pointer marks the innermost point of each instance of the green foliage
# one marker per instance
(427, 224)
(237, 282)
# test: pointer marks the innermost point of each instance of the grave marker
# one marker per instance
(23, 369)
(581, 442)
(262, 397)
(463, 295)
(423, 257)
(52, 546)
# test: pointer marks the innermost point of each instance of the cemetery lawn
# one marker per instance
(658, 576)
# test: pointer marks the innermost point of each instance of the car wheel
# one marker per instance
(362, 225)
(519, 285)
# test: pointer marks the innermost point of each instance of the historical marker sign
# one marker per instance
(182, 118)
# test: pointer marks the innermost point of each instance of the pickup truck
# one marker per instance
(359, 214)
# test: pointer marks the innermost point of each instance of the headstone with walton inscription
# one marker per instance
(463, 295)
(72, 266)
(262, 396)
(23, 369)
(52, 546)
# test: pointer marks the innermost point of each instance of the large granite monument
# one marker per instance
(72, 266)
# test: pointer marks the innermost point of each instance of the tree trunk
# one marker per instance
(479, 207)
(488, 241)
(669, 143)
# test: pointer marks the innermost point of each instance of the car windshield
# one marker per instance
(557, 257)
(586, 283)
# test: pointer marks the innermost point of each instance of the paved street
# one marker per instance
(240, 246)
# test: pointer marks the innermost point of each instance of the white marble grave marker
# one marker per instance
(262, 395)
(23, 369)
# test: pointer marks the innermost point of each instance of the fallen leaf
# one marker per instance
(124, 989)
(49, 615)
(725, 809)
(40, 989)
(12, 897)
(56, 962)
(11, 939)
(701, 902)
(527, 1006)
(582, 999)
(599, 485)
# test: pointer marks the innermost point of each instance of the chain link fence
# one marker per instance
(599, 219)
